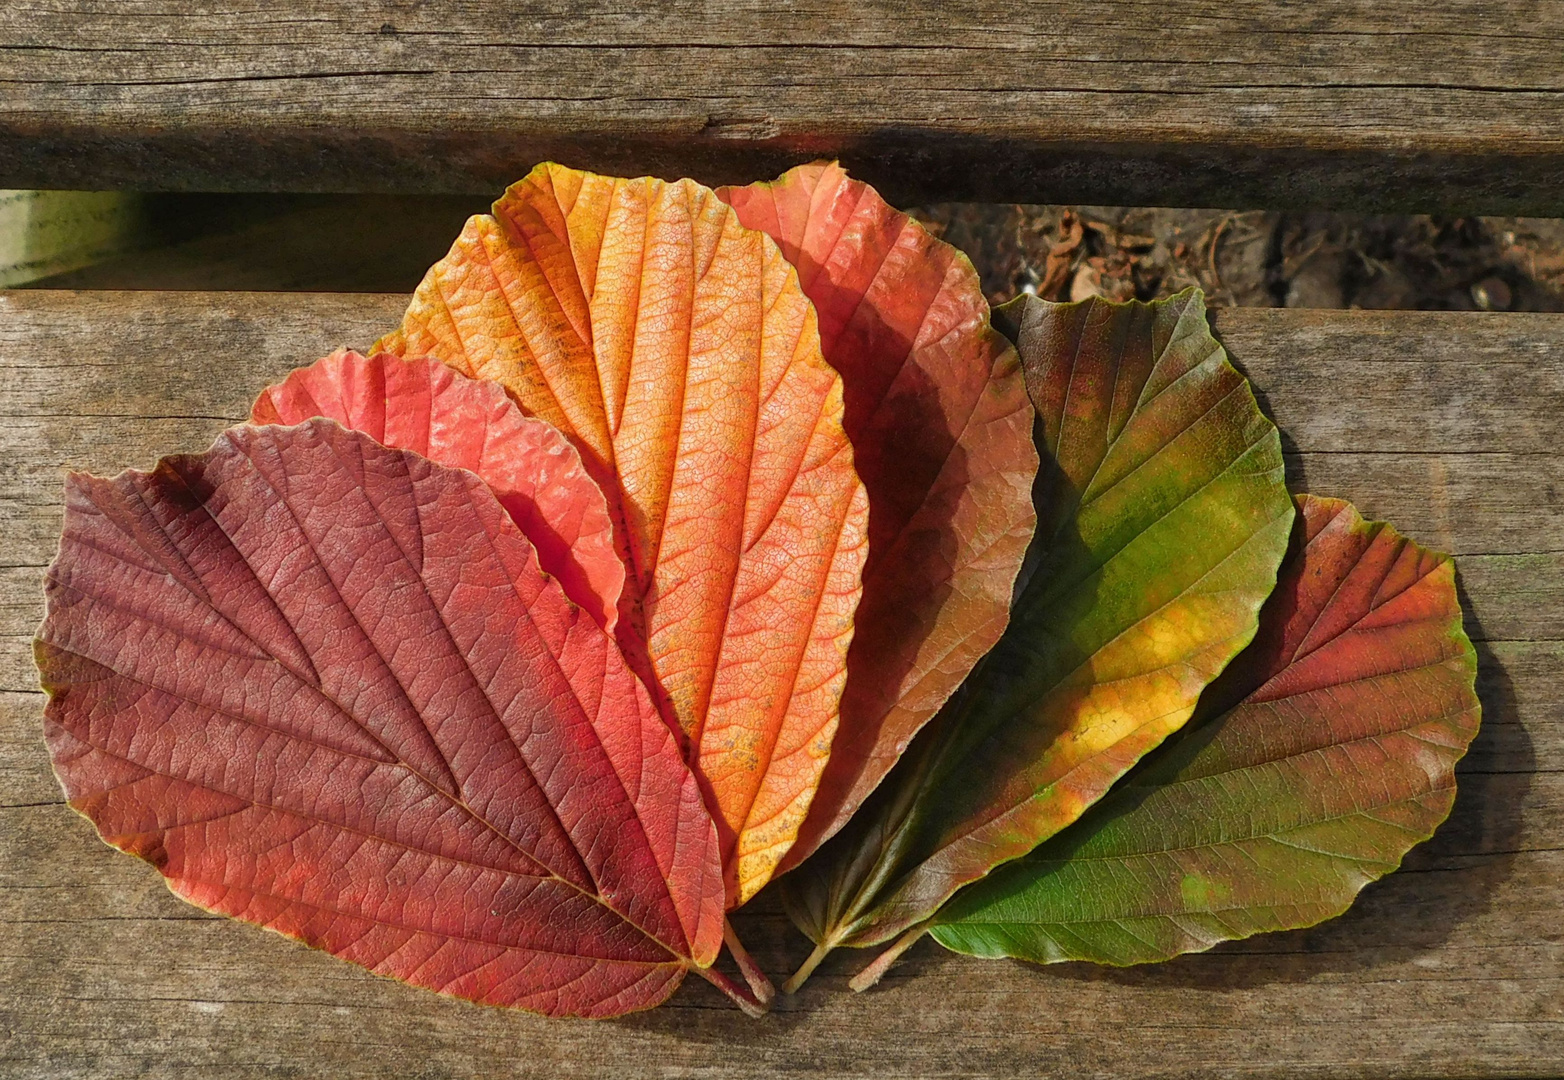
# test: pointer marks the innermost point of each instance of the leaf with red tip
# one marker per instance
(1327, 750)
(323, 687)
(425, 407)
(676, 350)
(941, 427)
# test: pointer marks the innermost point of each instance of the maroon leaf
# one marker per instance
(324, 687)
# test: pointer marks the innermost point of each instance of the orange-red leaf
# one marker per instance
(941, 427)
(676, 350)
(323, 686)
(426, 407)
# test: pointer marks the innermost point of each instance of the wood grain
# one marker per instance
(1369, 103)
(1453, 966)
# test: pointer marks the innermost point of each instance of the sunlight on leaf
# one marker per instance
(426, 407)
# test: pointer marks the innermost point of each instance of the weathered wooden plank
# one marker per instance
(1389, 103)
(1458, 503)
(1455, 414)
(153, 989)
(1456, 381)
(1452, 966)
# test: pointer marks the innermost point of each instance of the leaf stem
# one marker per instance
(740, 995)
(872, 974)
(921, 764)
(751, 971)
(806, 969)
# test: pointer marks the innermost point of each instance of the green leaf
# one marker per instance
(1162, 518)
(1356, 702)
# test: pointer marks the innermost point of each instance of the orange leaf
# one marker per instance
(676, 350)
(942, 435)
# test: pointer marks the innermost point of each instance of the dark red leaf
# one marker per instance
(323, 687)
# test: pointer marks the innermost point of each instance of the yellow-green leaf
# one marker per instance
(1162, 518)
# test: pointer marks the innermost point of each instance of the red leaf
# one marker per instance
(426, 407)
(941, 428)
(323, 687)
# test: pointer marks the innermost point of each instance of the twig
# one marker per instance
(1291, 266)
(1216, 239)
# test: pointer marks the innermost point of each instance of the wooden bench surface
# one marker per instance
(1333, 103)
(1449, 425)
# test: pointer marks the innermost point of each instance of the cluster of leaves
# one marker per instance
(681, 538)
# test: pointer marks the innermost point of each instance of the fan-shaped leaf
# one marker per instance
(323, 687)
(941, 427)
(426, 407)
(1162, 518)
(677, 352)
(1356, 702)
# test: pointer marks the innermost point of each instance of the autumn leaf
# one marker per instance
(676, 351)
(941, 428)
(1352, 707)
(426, 407)
(323, 687)
(1162, 518)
